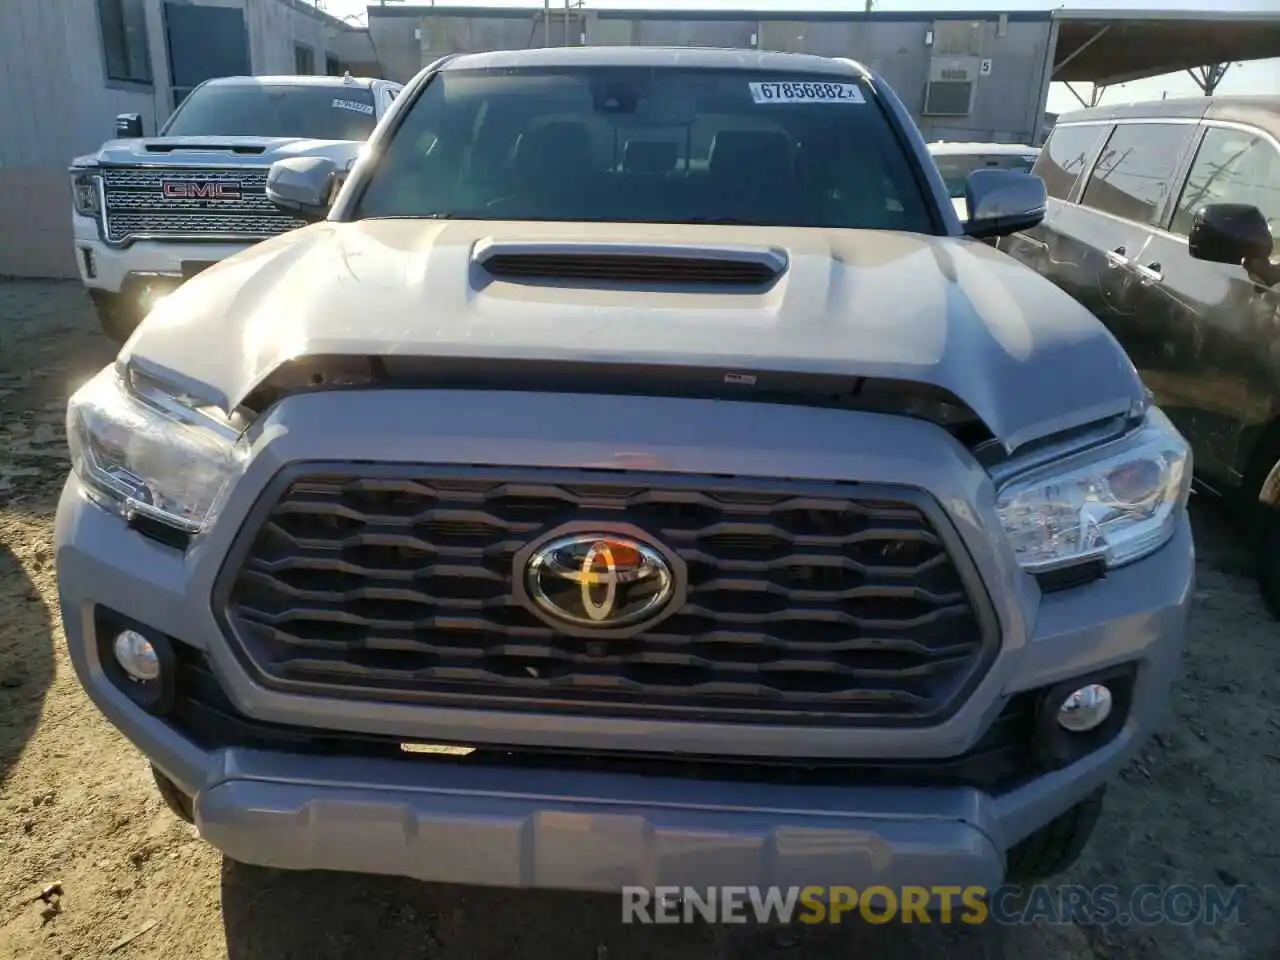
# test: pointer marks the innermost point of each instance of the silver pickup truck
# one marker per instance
(150, 212)
(636, 476)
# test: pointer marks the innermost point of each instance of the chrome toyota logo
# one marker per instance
(599, 580)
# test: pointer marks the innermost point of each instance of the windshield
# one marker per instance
(307, 111)
(665, 145)
(955, 169)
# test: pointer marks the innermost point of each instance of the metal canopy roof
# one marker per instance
(1115, 46)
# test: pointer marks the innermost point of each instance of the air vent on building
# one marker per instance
(948, 98)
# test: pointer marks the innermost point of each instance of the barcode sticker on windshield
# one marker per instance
(805, 92)
(353, 106)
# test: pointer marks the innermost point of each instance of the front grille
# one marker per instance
(1002, 758)
(136, 204)
(805, 603)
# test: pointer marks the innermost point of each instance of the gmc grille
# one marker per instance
(136, 204)
(806, 603)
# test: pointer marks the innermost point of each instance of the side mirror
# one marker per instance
(1229, 233)
(129, 126)
(1001, 202)
(303, 186)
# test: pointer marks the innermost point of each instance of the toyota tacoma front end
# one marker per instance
(639, 478)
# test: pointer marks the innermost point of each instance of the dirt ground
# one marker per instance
(1201, 806)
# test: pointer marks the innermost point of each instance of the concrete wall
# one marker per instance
(56, 103)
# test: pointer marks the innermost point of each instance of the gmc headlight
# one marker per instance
(84, 192)
(149, 453)
(1117, 503)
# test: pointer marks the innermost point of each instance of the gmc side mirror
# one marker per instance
(1233, 233)
(1001, 202)
(129, 126)
(303, 186)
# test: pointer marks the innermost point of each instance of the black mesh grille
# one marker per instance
(1001, 758)
(805, 603)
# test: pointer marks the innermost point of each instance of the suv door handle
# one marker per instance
(1151, 272)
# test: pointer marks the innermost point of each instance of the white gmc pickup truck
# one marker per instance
(151, 212)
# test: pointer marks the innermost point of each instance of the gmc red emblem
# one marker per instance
(200, 190)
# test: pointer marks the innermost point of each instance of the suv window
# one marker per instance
(1136, 168)
(310, 111)
(1232, 166)
(666, 145)
(1065, 157)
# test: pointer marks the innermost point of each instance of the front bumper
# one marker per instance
(600, 831)
(110, 268)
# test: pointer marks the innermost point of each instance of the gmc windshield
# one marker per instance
(305, 111)
(641, 145)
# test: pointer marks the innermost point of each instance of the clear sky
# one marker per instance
(1259, 76)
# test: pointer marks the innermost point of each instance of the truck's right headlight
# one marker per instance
(1117, 503)
(85, 195)
(156, 457)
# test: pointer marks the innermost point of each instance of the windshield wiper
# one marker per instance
(722, 221)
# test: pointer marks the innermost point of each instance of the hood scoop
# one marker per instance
(632, 264)
(251, 149)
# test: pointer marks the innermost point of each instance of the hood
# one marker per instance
(954, 314)
(250, 151)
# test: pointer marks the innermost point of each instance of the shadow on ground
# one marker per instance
(26, 657)
(335, 916)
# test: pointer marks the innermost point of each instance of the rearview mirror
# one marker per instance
(128, 126)
(1229, 233)
(303, 186)
(1001, 202)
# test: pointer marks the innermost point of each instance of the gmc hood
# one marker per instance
(943, 312)
(179, 151)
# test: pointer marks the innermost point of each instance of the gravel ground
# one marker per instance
(1200, 806)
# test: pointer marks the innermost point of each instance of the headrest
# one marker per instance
(561, 145)
(650, 156)
(762, 152)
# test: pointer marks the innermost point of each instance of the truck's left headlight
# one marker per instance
(166, 461)
(1115, 503)
(84, 193)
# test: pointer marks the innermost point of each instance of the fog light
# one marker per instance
(1085, 709)
(136, 656)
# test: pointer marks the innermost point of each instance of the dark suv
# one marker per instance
(1160, 220)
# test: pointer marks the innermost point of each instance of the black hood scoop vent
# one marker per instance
(251, 149)
(631, 264)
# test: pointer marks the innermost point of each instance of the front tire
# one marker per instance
(180, 804)
(1260, 511)
(1266, 557)
(117, 314)
(1058, 844)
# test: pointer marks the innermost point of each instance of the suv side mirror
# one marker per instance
(1002, 202)
(1229, 233)
(303, 186)
(128, 126)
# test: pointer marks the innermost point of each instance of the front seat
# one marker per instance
(551, 168)
(755, 168)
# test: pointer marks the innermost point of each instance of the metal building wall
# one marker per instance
(907, 50)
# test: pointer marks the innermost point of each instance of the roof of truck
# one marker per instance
(944, 148)
(293, 81)
(697, 57)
